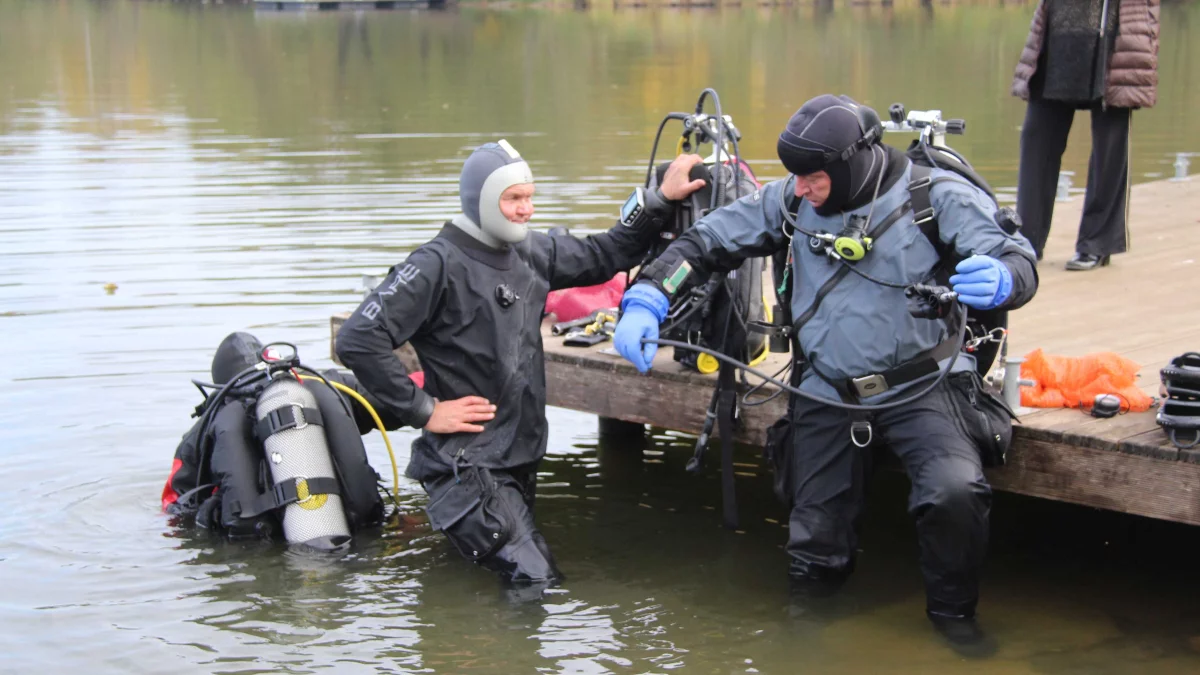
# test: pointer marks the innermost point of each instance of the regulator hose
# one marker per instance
(962, 335)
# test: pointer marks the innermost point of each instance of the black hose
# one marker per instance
(868, 277)
(762, 401)
(962, 334)
(696, 306)
(718, 192)
(657, 138)
(322, 379)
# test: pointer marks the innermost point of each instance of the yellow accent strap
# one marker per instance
(378, 424)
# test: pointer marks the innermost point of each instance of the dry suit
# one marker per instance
(470, 302)
(847, 328)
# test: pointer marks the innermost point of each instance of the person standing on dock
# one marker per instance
(854, 341)
(470, 302)
(1097, 55)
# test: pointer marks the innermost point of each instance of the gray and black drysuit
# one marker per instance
(848, 327)
(473, 313)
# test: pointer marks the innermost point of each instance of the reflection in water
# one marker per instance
(228, 169)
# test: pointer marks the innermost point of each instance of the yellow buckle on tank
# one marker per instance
(305, 499)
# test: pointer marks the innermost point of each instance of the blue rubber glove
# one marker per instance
(982, 282)
(643, 308)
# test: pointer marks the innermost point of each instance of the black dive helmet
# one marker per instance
(714, 313)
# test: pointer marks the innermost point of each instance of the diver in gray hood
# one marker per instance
(470, 303)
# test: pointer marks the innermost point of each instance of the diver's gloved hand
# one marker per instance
(982, 282)
(642, 309)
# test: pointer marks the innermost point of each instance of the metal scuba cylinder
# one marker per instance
(297, 455)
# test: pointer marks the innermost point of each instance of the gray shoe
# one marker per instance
(1083, 262)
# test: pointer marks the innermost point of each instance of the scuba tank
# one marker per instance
(714, 314)
(298, 456)
(272, 453)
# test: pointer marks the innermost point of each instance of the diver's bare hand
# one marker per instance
(677, 182)
(459, 415)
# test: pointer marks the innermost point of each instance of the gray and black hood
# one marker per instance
(490, 170)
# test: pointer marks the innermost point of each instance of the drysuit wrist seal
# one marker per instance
(649, 297)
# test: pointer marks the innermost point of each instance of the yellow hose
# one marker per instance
(762, 355)
(378, 423)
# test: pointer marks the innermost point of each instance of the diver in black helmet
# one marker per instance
(470, 303)
(218, 479)
(845, 220)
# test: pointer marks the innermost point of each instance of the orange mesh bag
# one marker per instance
(1065, 381)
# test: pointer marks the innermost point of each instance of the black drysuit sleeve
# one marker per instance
(591, 260)
(1025, 279)
(395, 311)
(362, 418)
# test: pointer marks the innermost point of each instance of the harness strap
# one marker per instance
(924, 215)
(726, 417)
(914, 369)
(285, 417)
(288, 492)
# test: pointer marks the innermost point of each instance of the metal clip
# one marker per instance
(861, 425)
(994, 335)
(924, 216)
(920, 183)
(298, 415)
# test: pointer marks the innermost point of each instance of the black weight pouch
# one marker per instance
(985, 417)
(465, 506)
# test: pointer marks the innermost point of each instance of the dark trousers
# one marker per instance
(504, 511)
(1102, 230)
(950, 498)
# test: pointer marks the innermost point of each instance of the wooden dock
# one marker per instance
(1145, 306)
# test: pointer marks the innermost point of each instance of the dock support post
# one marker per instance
(611, 427)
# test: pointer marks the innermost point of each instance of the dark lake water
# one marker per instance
(228, 169)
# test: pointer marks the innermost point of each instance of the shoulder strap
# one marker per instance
(924, 215)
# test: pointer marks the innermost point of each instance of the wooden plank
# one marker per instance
(1107, 480)
(1154, 443)
(672, 397)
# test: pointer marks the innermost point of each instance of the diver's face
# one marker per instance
(516, 203)
(814, 187)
